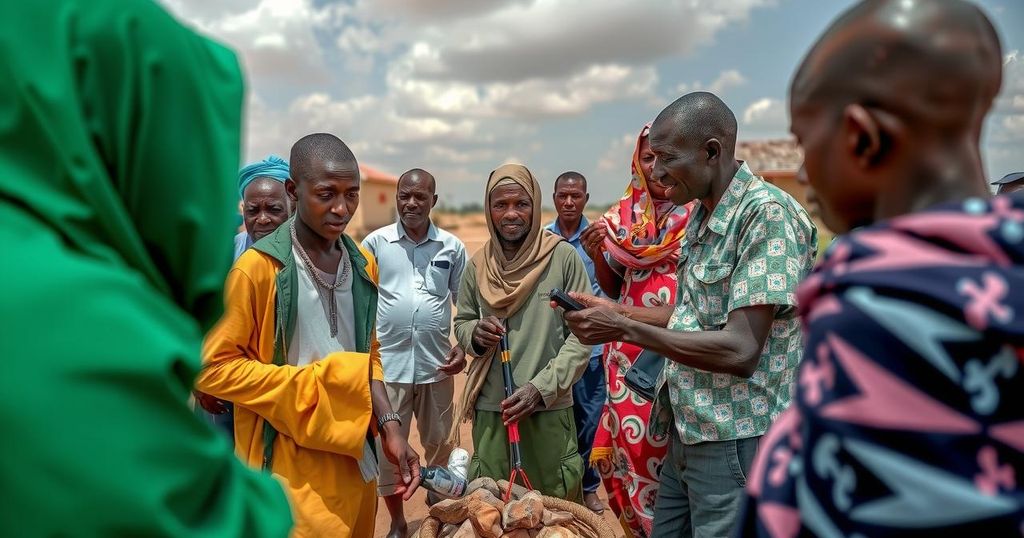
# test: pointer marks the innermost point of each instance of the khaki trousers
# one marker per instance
(431, 404)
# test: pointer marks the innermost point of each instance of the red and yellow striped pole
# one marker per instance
(515, 456)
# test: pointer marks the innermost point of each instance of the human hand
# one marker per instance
(521, 404)
(599, 323)
(487, 333)
(593, 238)
(589, 301)
(454, 362)
(398, 452)
(212, 405)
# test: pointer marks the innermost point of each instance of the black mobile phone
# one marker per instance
(564, 301)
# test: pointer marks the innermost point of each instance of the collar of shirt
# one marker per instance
(395, 234)
(579, 230)
(727, 206)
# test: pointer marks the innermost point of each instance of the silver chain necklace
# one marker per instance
(346, 269)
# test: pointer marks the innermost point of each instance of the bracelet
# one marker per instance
(389, 417)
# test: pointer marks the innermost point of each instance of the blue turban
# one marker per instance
(273, 167)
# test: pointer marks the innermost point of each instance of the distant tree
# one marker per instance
(471, 207)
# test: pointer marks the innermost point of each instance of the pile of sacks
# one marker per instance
(481, 513)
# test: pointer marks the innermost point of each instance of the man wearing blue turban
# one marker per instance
(264, 201)
(265, 206)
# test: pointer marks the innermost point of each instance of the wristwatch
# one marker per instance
(389, 417)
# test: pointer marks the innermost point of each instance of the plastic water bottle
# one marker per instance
(458, 463)
(443, 482)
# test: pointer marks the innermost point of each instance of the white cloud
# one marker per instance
(572, 96)
(275, 38)
(341, 113)
(726, 80)
(1006, 123)
(425, 11)
(617, 157)
(374, 118)
(764, 117)
(522, 42)
(1017, 103)
(359, 39)
(525, 100)
(464, 81)
(1014, 126)
(1011, 97)
(446, 155)
(1004, 128)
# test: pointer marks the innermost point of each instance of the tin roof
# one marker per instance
(780, 155)
(368, 173)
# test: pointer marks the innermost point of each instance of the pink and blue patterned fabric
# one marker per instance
(908, 417)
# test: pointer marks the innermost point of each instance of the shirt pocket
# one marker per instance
(438, 273)
(709, 290)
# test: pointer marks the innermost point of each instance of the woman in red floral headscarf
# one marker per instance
(635, 248)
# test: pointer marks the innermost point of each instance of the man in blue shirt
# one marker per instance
(420, 267)
(589, 392)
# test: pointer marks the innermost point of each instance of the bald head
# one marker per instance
(889, 105)
(313, 151)
(418, 176)
(324, 185)
(700, 116)
(414, 200)
(694, 144)
(935, 63)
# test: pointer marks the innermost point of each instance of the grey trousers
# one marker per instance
(701, 488)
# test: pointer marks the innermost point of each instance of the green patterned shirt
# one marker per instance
(757, 246)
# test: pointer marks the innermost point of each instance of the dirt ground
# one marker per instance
(471, 229)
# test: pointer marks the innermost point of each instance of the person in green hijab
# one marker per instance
(119, 146)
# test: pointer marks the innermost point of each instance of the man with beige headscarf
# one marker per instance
(506, 288)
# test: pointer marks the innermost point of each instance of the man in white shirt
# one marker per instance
(420, 271)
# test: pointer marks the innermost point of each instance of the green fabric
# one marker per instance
(278, 245)
(543, 350)
(547, 443)
(119, 146)
(757, 246)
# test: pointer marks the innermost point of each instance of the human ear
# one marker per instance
(714, 150)
(290, 187)
(864, 135)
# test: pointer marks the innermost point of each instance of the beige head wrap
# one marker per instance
(505, 285)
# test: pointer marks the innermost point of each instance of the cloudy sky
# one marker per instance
(459, 87)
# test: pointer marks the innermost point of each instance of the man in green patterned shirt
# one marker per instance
(733, 337)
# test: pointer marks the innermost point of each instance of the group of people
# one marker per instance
(874, 393)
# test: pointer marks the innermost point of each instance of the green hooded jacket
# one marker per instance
(119, 148)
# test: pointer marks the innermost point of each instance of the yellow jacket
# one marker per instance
(322, 412)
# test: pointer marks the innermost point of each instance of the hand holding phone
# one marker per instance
(563, 300)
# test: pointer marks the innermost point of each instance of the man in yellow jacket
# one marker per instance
(297, 355)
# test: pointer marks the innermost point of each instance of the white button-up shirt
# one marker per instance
(419, 283)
